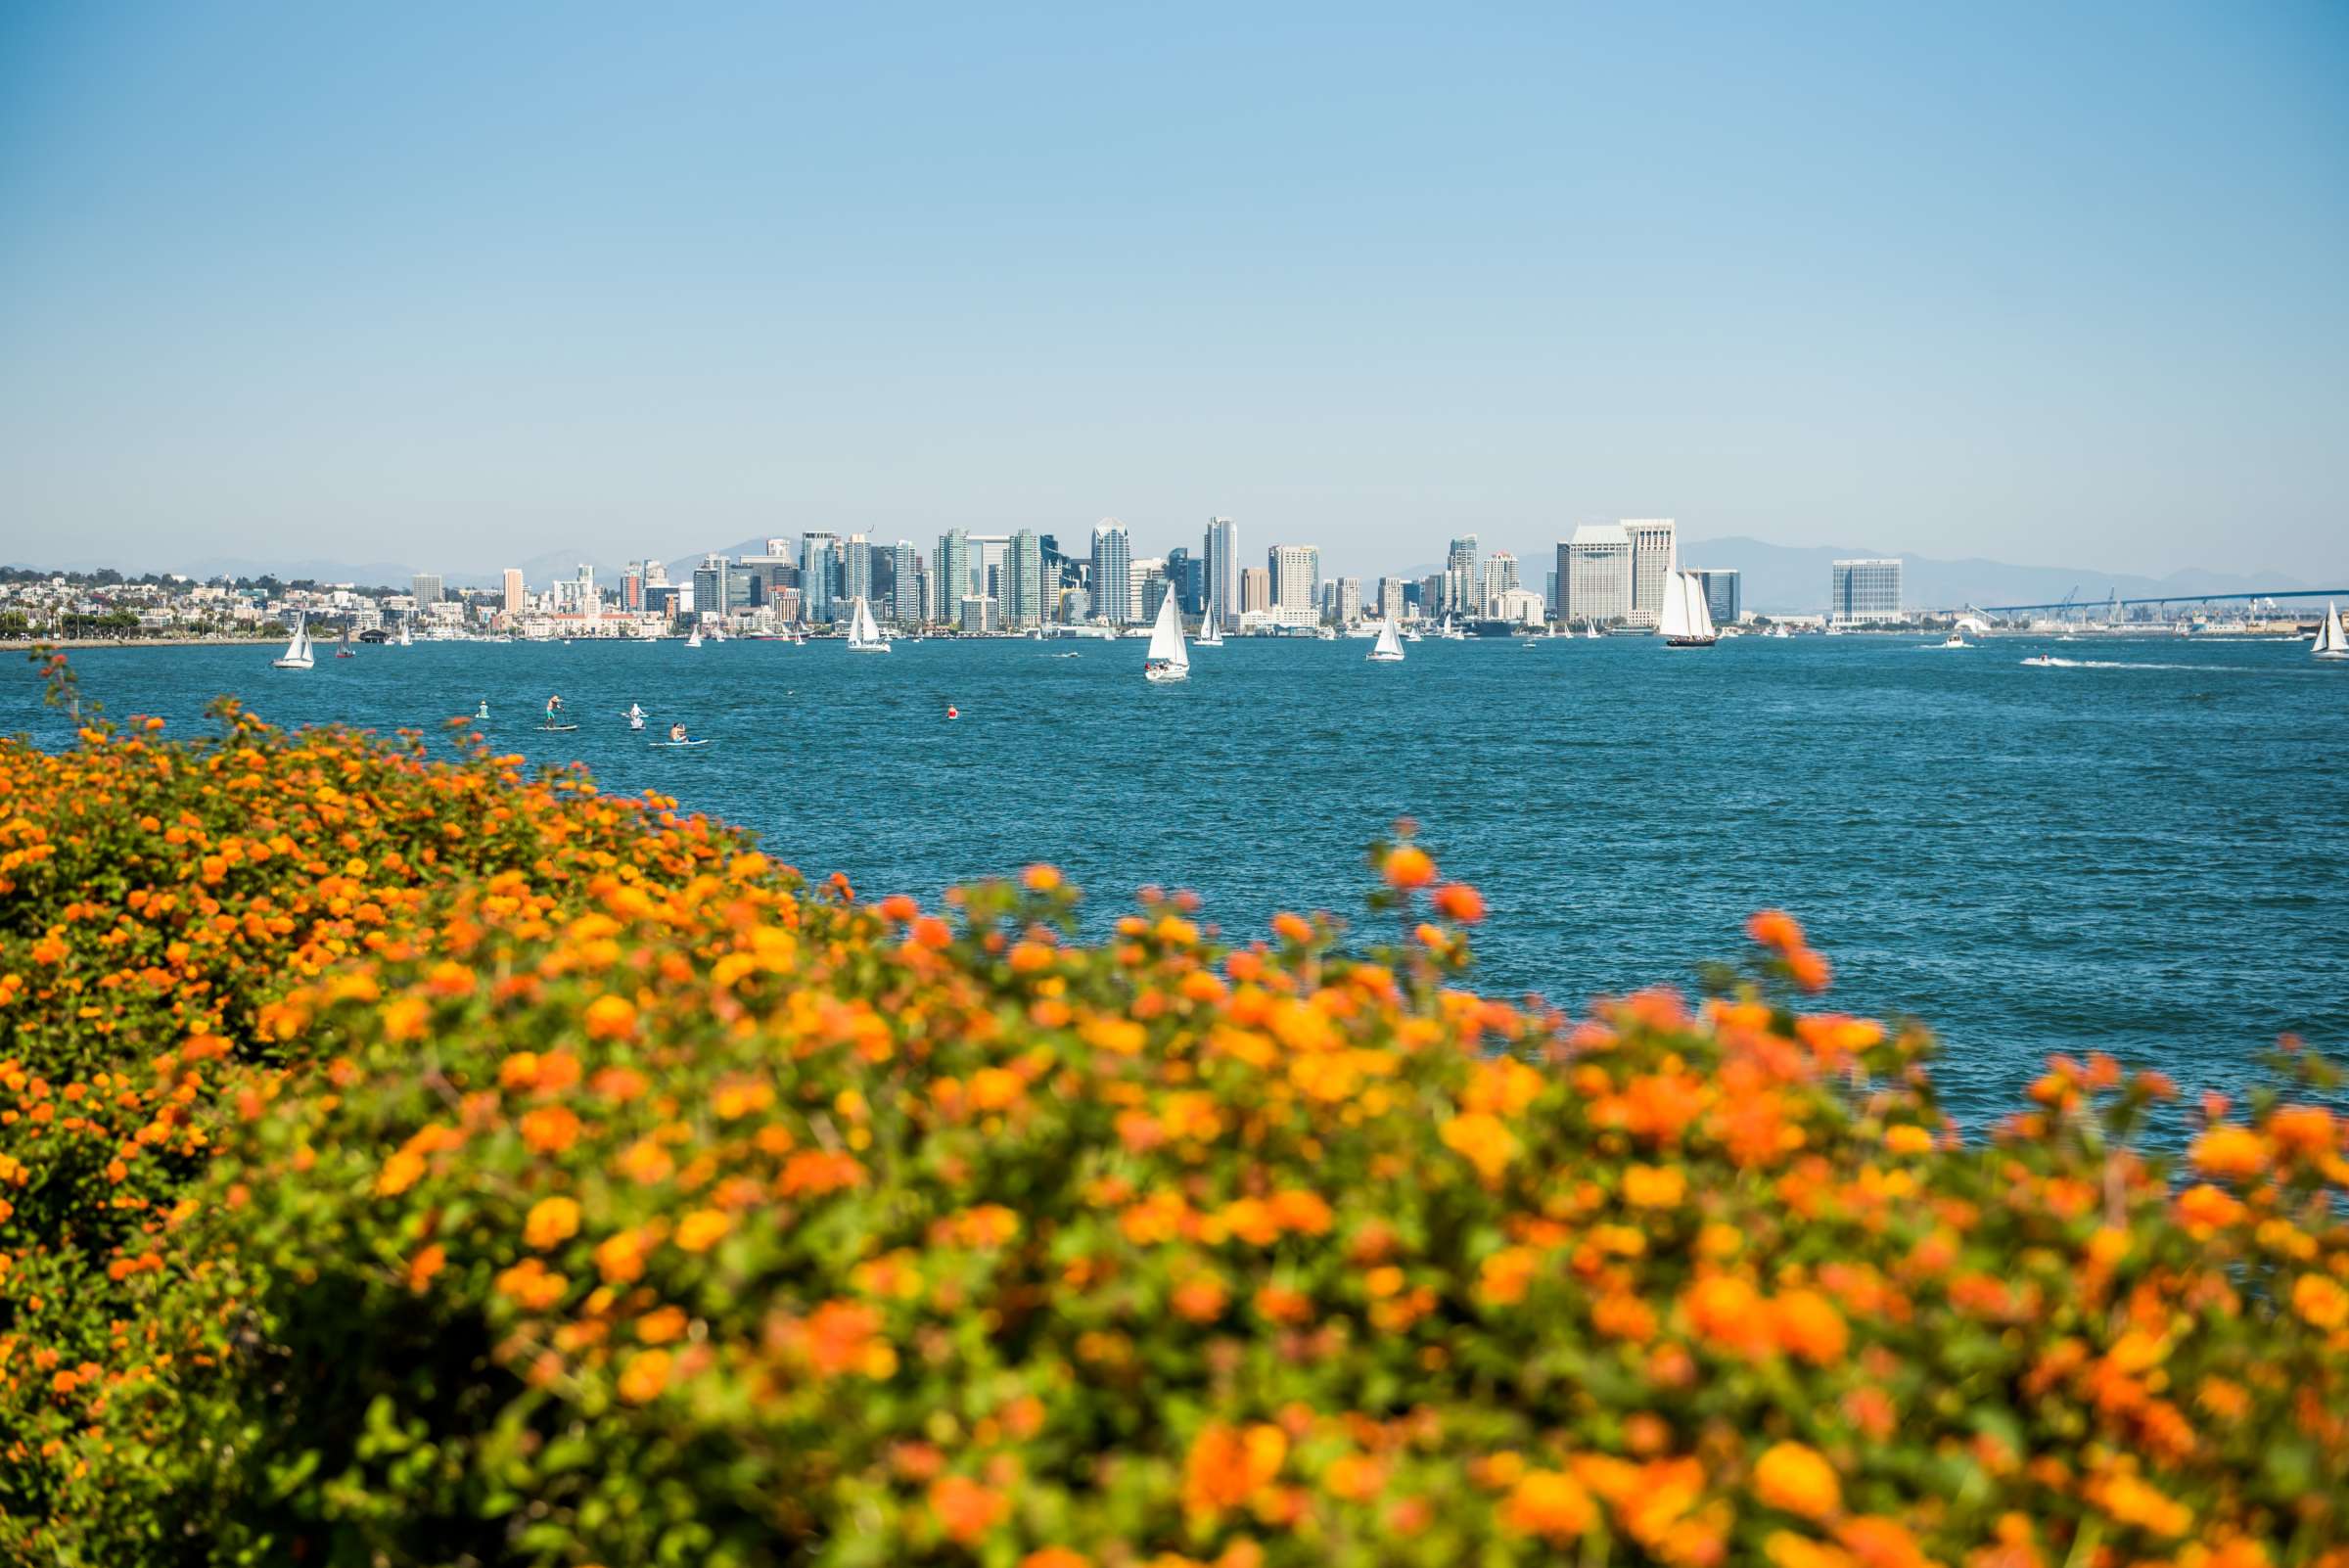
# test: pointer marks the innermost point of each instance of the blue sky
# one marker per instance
(462, 284)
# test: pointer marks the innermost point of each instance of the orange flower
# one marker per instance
(1292, 928)
(1056, 1557)
(1807, 1324)
(2322, 1301)
(1226, 1465)
(966, 1510)
(1795, 1479)
(1909, 1138)
(2227, 1150)
(645, 1376)
(1810, 972)
(1484, 1142)
(1776, 928)
(551, 1222)
(703, 1229)
(1651, 1186)
(1201, 1298)
(549, 1129)
(1041, 877)
(610, 1018)
(1459, 902)
(1408, 866)
(425, 1265)
(1550, 1504)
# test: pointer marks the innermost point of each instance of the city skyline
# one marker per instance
(2044, 287)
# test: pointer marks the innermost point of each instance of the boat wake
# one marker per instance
(2054, 663)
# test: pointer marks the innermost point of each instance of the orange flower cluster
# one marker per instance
(605, 1195)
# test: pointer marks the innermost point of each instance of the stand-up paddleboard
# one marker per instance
(558, 729)
(658, 744)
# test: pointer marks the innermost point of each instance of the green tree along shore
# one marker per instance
(418, 1161)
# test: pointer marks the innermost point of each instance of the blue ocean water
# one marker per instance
(2143, 851)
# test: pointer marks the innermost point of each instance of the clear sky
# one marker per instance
(458, 283)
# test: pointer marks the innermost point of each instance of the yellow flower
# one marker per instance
(1484, 1142)
(703, 1229)
(551, 1222)
(1798, 1480)
(2322, 1301)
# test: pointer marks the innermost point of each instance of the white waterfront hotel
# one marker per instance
(1865, 591)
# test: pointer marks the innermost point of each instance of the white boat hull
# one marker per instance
(306, 663)
(1166, 675)
(868, 647)
(1375, 658)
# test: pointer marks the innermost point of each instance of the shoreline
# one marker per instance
(14, 645)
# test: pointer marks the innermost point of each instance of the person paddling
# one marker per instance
(634, 715)
(676, 734)
(554, 706)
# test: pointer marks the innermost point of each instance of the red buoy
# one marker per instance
(952, 713)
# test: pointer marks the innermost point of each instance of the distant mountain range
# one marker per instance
(1779, 577)
(1776, 577)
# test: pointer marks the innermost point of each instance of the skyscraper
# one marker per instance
(1296, 571)
(1024, 581)
(856, 570)
(426, 588)
(1864, 589)
(1390, 598)
(1721, 593)
(905, 583)
(1499, 576)
(1113, 570)
(516, 595)
(1598, 563)
(816, 576)
(1651, 557)
(1256, 589)
(1222, 556)
(950, 575)
(1459, 569)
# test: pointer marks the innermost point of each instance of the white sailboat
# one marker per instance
(298, 653)
(1684, 620)
(2333, 637)
(863, 636)
(695, 641)
(1211, 627)
(1388, 650)
(1168, 659)
(1590, 631)
(404, 640)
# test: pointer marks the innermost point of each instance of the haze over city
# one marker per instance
(457, 290)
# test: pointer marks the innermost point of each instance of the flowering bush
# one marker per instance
(620, 1199)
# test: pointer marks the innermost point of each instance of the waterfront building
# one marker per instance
(949, 573)
(978, 614)
(1864, 589)
(631, 588)
(816, 583)
(1075, 606)
(1551, 596)
(1518, 606)
(1296, 573)
(1653, 542)
(516, 595)
(1188, 573)
(1143, 606)
(856, 569)
(1460, 574)
(1113, 572)
(1499, 576)
(1431, 593)
(1598, 573)
(1721, 593)
(1222, 570)
(427, 586)
(1256, 589)
(990, 557)
(1349, 606)
(1391, 598)
(905, 572)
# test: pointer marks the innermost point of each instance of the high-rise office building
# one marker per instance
(1499, 575)
(1864, 589)
(1256, 589)
(631, 586)
(950, 575)
(990, 567)
(1651, 558)
(1188, 573)
(426, 587)
(1023, 603)
(978, 614)
(711, 581)
(856, 570)
(1296, 571)
(1222, 556)
(1721, 586)
(905, 583)
(517, 595)
(816, 582)
(1598, 573)
(1113, 570)
(1142, 605)
(1391, 598)
(1460, 569)
(1348, 608)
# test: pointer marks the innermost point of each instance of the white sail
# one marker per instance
(404, 640)
(298, 649)
(1672, 621)
(1211, 627)
(865, 636)
(1166, 636)
(1700, 614)
(1389, 648)
(2333, 637)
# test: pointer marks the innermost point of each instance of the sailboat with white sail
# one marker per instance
(2333, 637)
(1168, 659)
(406, 641)
(695, 641)
(1388, 650)
(1211, 627)
(298, 655)
(1684, 620)
(865, 636)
